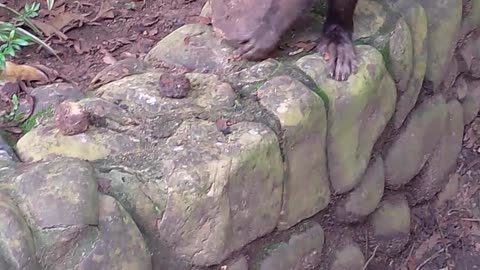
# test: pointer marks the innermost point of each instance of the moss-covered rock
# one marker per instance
(444, 21)
(17, 248)
(300, 251)
(46, 141)
(195, 47)
(390, 224)
(58, 220)
(443, 159)
(413, 147)
(416, 20)
(365, 198)
(359, 110)
(303, 120)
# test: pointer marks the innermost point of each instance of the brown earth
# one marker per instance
(443, 236)
(135, 27)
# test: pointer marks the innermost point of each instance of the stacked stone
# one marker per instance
(266, 165)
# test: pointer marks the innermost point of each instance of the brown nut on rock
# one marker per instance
(71, 118)
(174, 86)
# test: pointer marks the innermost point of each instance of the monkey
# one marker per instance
(335, 45)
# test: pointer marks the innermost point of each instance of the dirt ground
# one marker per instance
(94, 31)
(123, 27)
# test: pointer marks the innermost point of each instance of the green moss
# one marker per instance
(385, 51)
(33, 120)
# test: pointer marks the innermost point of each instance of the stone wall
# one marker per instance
(267, 165)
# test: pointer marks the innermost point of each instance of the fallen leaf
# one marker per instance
(306, 45)
(66, 19)
(149, 21)
(199, 20)
(51, 73)
(118, 70)
(48, 30)
(105, 12)
(14, 72)
(78, 46)
(108, 57)
(427, 245)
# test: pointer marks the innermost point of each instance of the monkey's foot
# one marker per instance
(336, 47)
(259, 45)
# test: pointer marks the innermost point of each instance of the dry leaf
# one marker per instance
(306, 45)
(108, 58)
(118, 70)
(199, 20)
(60, 24)
(149, 21)
(49, 30)
(426, 246)
(66, 19)
(105, 12)
(14, 72)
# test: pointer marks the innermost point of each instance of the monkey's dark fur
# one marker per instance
(336, 42)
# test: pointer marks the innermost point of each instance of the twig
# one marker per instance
(429, 259)
(371, 258)
(471, 219)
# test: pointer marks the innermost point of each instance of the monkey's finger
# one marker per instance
(244, 49)
(322, 47)
(354, 65)
(332, 62)
(342, 70)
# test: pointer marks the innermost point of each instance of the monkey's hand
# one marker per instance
(336, 47)
(260, 44)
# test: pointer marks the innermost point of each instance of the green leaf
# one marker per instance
(21, 42)
(18, 14)
(15, 102)
(50, 4)
(9, 50)
(12, 34)
(39, 41)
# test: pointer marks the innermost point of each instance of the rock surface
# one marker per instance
(300, 251)
(220, 162)
(413, 147)
(358, 111)
(303, 119)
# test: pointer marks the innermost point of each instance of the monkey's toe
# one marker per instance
(340, 56)
(258, 47)
(251, 51)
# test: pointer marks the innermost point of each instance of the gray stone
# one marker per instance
(195, 47)
(18, 248)
(443, 159)
(239, 263)
(471, 102)
(348, 257)
(301, 251)
(303, 119)
(444, 19)
(416, 19)
(390, 224)
(365, 198)
(414, 145)
(49, 96)
(358, 111)
(217, 185)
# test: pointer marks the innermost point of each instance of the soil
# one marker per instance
(136, 26)
(443, 237)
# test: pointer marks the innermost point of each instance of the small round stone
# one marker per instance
(174, 86)
(71, 118)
